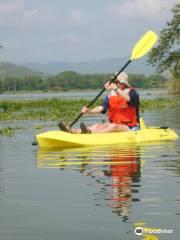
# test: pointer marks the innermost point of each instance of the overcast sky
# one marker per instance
(76, 30)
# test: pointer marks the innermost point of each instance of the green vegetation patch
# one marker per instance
(160, 104)
(66, 110)
(7, 131)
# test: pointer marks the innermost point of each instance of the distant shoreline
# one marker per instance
(70, 91)
(49, 91)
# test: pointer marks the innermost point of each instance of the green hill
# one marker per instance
(10, 70)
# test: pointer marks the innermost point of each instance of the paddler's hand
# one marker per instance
(110, 86)
(85, 110)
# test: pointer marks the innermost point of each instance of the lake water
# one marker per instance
(96, 193)
(145, 94)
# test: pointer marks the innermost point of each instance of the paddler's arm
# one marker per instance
(97, 109)
(122, 93)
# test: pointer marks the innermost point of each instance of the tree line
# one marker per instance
(166, 55)
(70, 80)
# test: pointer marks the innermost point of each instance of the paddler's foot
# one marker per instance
(64, 127)
(84, 129)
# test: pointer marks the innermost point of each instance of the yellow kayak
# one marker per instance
(60, 139)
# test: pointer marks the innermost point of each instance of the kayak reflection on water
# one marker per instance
(123, 175)
(123, 171)
(116, 172)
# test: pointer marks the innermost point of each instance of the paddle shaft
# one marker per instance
(101, 92)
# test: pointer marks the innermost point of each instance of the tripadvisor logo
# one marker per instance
(138, 231)
(141, 230)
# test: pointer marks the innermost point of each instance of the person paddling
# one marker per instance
(121, 106)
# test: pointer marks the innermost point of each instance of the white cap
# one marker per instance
(123, 78)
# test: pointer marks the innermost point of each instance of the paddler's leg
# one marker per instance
(95, 128)
(108, 128)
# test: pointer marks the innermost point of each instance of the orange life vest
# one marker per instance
(120, 112)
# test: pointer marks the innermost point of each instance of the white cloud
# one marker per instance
(153, 9)
(65, 29)
(30, 14)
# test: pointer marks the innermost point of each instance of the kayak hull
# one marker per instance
(60, 139)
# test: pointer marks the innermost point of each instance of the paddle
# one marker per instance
(140, 49)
